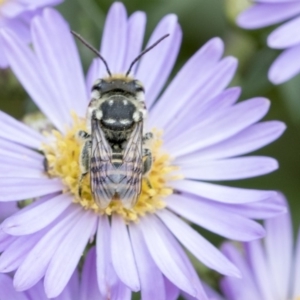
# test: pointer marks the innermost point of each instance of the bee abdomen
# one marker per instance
(117, 159)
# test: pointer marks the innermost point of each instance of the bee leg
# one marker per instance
(147, 137)
(84, 161)
(45, 164)
(83, 135)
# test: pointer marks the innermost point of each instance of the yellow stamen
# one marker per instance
(63, 153)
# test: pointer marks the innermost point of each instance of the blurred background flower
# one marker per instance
(287, 36)
(16, 16)
(270, 268)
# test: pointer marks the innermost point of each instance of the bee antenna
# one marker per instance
(145, 51)
(84, 42)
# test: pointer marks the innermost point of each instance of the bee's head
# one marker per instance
(118, 84)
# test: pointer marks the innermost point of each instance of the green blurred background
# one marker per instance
(201, 20)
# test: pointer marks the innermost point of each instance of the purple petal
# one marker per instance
(230, 169)
(172, 291)
(114, 39)
(92, 74)
(13, 171)
(239, 288)
(5, 240)
(223, 126)
(221, 193)
(215, 217)
(37, 292)
(120, 292)
(123, 260)
(17, 162)
(257, 259)
(38, 217)
(8, 291)
(20, 25)
(175, 267)
(71, 291)
(204, 111)
(35, 264)
(265, 14)
(279, 244)
(89, 284)
(7, 209)
(250, 139)
(18, 132)
(206, 57)
(197, 245)
(212, 294)
(135, 36)
(13, 149)
(285, 66)
(17, 251)
(217, 80)
(286, 35)
(27, 69)
(67, 255)
(156, 66)
(108, 282)
(13, 189)
(61, 70)
(147, 268)
(40, 3)
(296, 274)
(264, 209)
(11, 9)
(274, 1)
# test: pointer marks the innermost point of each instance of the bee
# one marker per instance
(114, 149)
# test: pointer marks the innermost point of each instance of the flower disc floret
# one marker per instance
(63, 155)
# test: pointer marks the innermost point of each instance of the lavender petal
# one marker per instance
(285, 66)
(147, 268)
(230, 169)
(214, 217)
(224, 194)
(38, 217)
(197, 245)
(155, 68)
(279, 244)
(124, 265)
(66, 257)
(34, 267)
(13, 189)
(206, 57)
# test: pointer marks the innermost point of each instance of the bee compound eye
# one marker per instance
(139, 87)
(97, 85)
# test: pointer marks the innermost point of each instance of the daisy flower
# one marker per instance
(16, 15)
(270, 268)
(199, 133)
(269, 12)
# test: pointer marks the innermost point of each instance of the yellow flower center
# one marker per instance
(63, 155)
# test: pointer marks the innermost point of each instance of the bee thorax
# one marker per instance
(117, 113)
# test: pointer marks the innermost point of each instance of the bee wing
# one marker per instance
(100, 166)
(132, 167)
